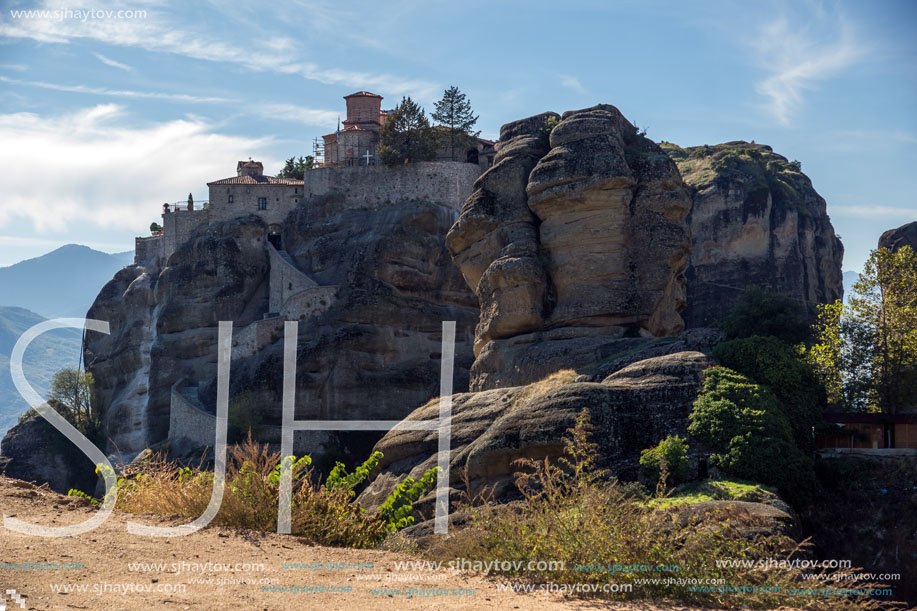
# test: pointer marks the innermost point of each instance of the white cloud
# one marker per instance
(110, 62)
(871, 212)
(298, 114)
(16, 67)
(571, 82)
(154, 95)
(282, 112)
(86, 166)
(155, 32)
(797, 58)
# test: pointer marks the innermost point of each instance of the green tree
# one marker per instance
(73, 396)
(866, 352)
(406, 136)
(155, 227)
(783, 369)
(749, 432)
(296, 168)
(456, 119)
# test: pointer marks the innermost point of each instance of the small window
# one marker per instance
(262, 203)
(248, 189)
(230, 199)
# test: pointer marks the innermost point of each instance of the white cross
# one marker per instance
(367, 156)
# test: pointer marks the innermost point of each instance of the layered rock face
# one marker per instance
(906, 235)
(756, 219)
(368, 346)
(573, 238)
(630, 410)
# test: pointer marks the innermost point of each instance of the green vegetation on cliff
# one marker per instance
(704, 167)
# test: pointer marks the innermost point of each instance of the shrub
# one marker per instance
(780, 367)
(747, 428)
(673, 452)
(760, 312)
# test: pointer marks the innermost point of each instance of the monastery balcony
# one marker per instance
(183, 206)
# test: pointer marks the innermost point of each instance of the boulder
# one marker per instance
(630, 410)
(35, 451)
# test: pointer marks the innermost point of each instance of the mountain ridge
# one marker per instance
(60, 283)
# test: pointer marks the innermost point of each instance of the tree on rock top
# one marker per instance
(406, 136)
(455, 118)
(296, 168)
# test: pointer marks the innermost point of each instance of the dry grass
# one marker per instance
(572, 513)
(323, 514)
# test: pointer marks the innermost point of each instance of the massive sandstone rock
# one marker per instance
(906, 235)
(371, 351)
(578, 237)
(756, 219)
(630, 410)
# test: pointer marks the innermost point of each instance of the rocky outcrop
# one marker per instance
(371, 351)
(630, 410)
(906, 235)
(34, 451)
(495, 241)
(756, 219)
(577, 235)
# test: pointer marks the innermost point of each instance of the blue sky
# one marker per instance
(105, 116)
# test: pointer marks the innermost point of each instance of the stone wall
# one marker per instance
(444, 183)
(309, 303)
(148, 250)
(255, 337)
(178, 226)
(279, 200)
(189, 425)
(285, 281)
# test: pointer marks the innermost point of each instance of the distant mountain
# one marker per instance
(44, 356)
(62, 283)
(849, 279)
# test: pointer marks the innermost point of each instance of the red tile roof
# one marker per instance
(257, 180)
(365, 94)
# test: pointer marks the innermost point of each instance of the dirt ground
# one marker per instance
(225, 569)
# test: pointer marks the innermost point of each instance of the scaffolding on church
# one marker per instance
(318, 152)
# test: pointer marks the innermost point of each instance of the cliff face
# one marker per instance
(374, 285)
(574, 237)
(755, 219)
